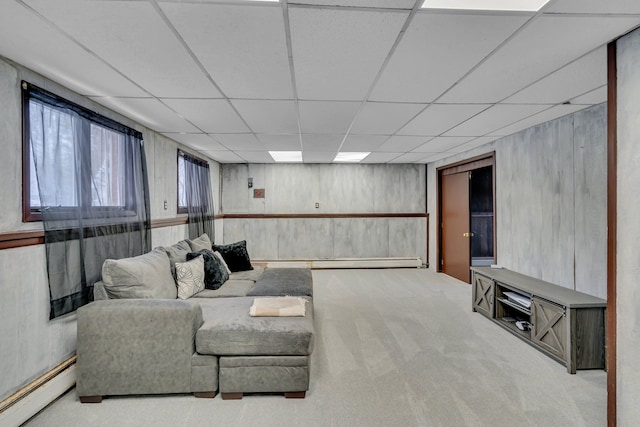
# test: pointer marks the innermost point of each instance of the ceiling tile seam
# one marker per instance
(587, 92)
(490, 134)
(386, 61)
(292, 71)
(193, 56)
(490, 54)
(350, 8)
(80, 45)
(548, 75)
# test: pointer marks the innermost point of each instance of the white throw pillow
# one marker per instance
(190, 277)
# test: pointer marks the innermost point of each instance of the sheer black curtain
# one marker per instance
(198, 197)
(88, 179)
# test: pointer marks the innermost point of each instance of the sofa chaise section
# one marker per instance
(142, 346)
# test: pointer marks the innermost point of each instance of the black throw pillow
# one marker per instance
(235, 255)
(214, 272)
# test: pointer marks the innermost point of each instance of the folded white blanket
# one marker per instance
(278, 307)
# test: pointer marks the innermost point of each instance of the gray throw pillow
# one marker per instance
(177, 253)
(202, 242)
(144, 276)
(214, 273)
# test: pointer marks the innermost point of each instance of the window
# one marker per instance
(80, 155)
(194, 194)
(85, 177)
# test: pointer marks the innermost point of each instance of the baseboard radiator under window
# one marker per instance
(35, 396)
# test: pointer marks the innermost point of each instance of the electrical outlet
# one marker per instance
(166, 205)
(317, 205)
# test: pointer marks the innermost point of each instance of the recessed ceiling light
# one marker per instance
(350, 157)
(286, 156)
(511, 5)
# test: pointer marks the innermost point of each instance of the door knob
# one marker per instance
(467, 235)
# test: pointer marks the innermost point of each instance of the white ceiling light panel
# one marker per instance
(350, 157)
(286, 156)
(507, 5)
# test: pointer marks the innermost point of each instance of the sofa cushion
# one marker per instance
(283, 282)
(235, 255)
(229, 330)
(202, 242)
(143, 276)
(252, 275)
(177, 253)
(231, 288)
(190, 277)
(214, 273)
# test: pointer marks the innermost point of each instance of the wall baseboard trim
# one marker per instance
(31, 399)
(396, 262)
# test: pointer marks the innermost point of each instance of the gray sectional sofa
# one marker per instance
(140, 336)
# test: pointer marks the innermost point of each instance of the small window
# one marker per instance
(182, 195)
(80, 155)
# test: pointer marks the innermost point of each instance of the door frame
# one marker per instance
(473, 163)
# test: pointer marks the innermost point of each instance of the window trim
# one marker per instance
(30, 91)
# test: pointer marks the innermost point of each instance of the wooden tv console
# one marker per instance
(567, 325)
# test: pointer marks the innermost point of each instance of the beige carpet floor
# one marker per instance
(397, 347)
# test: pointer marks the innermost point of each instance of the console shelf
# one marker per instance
(564, 324)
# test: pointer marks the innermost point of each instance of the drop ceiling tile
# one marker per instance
(197, 141)
(493, 118)
(395, 4)
(239, 141)
(501, 76)
(439, 118)
(255, 156)
(409, 158)
(77, 69)
(384, 118)
(544, 116)
(338, 53)
(223, 156)
(437, 50)
(594, 6)
(434, 157)
(326, 117)
(401, 143)
(478, 142)
(269, 116)
(363, 142)
(321, 142)
(318, 157)
(280, 142)
(381, 157)
(210, 115)
(149, 112)
(581, 76)
(132, 37)
(243, 47)
(442, 144)
(596, 96)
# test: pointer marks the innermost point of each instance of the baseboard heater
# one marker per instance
(35, 396)
(397, 262)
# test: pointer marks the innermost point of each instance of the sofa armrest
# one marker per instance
(136, 346)
(99, 292)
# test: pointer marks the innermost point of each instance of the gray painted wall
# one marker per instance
(296, 188)
(551, 200)
(30, 343)
(628, 246)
